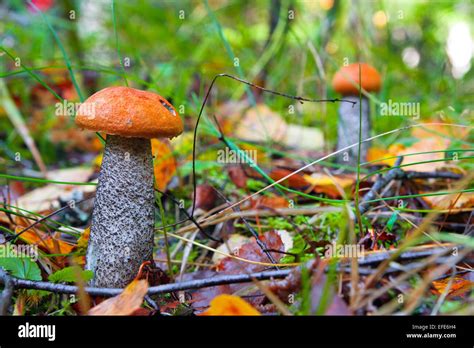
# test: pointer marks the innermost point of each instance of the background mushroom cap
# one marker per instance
(344, 80)
(129, 112)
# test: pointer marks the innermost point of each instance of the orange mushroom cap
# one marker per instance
(129, 112)
(346, 80)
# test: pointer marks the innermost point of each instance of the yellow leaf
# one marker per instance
(98, 160)
(230, 305)
(381, 156)
(124, 304)
(326, 184)
(83, 240)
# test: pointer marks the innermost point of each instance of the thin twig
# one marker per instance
(206, 97)
(369, 259)
(381, 182)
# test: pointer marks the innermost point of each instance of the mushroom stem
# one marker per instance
(348, 130)
(121, 237)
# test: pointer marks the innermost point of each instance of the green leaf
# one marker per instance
(69, 275)
(391, 221)
(21, 267)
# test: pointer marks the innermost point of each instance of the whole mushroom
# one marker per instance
(346, 82)
(121, 236)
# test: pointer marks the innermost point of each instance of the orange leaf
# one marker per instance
(326, 184)
(46, 242)
(458, 287)
(126, 303)
(295, 181)
(230, 305)
(164, 163)
(380, 156)
(270, 202)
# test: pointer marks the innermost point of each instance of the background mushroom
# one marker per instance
(346, 82)
(121, 236)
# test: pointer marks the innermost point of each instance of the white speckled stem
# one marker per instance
(348, 130)
(121, 236)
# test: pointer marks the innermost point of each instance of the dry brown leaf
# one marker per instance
(233, 243)
(252, 251)
(237, 175)
(124, 304)
(206, 197)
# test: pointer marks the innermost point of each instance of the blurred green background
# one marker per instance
(423, 50)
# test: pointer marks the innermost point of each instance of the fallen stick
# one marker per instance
(370, 258)
(396, 173)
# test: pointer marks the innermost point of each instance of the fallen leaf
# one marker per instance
(230, 305)
(454, 201)
(303, 138)
(233, 243)
(206, 197)
(424, 145)
(459, 286)
(380, 156)
(286, 238)
(124, 304)
(252, 251)
(47, 198)
(335, 304)
(237, 175)
(291, 285)
(261, 124)
(327, 184)
(228, 265)
(83, 240)
(269, 201)
(295, 181)
(164, 163)
(49, 243)
(438, 130)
